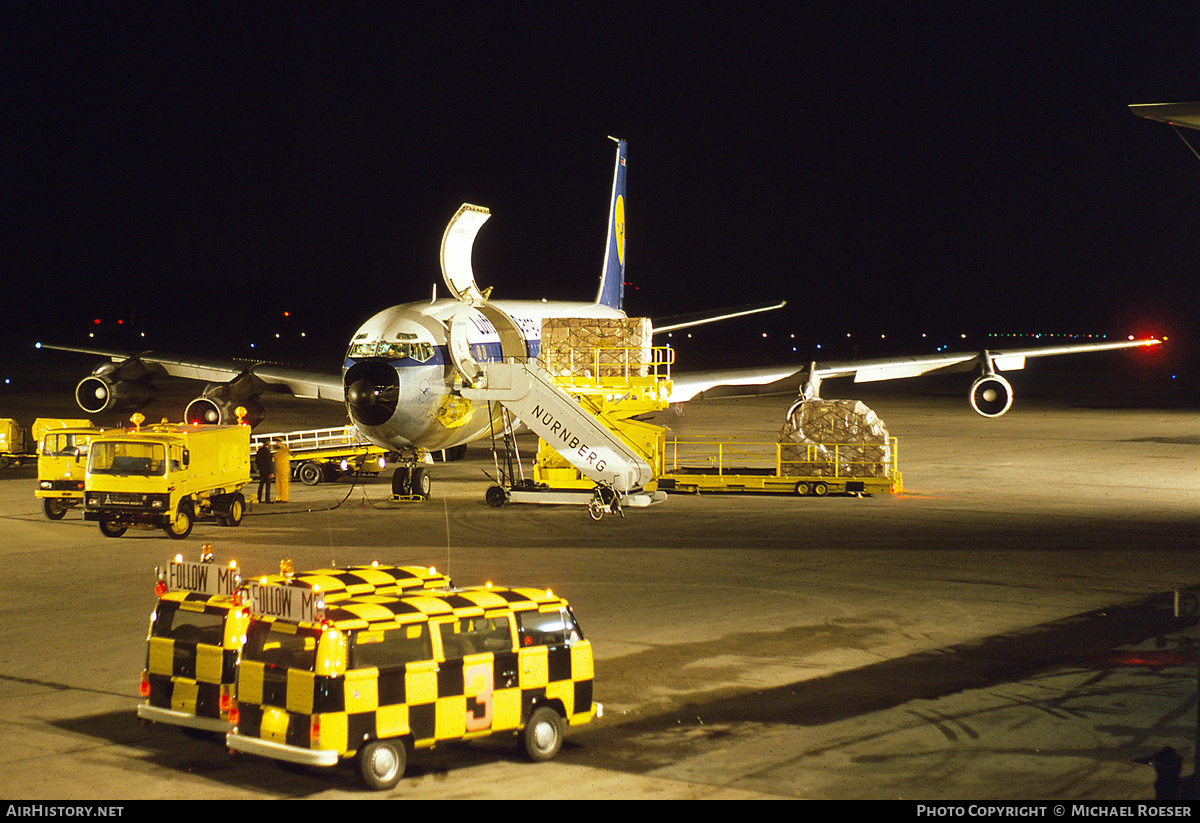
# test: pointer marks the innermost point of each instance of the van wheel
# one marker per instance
(542, 736)
(55, 509)
(181, 526)
(109, 528)
(382, 763)
(309, 473)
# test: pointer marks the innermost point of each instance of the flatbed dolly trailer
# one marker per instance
(325, 454)
(710, 466)
(16, 444)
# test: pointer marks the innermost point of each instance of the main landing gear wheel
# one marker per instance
(382, 763)
(542, 736)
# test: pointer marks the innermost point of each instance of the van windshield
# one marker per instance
(64, 444)
(128, 457)
(550, 628)
(279, 649)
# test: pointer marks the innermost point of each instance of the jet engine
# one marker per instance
(99, 393)
(117, 387)
(219, 402)
(209, 410)
(991, 395)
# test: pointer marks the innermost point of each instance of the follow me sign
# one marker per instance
(291, 603)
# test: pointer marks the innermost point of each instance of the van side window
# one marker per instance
(393, 647)
(280, 648)
(547, 628)
(473, 635)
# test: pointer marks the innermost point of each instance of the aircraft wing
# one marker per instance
(686, 386)
(271, 377)
(686, 321)
(1177, 114)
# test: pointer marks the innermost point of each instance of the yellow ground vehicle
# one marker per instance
(167, 476)
(374, 677)
(196, 633)
(199, 624)
(62, 463)
(16, 446)
(326, 454)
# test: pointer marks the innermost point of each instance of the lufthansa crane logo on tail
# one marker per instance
(619, 226)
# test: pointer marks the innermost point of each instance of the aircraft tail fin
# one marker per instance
(612, 278)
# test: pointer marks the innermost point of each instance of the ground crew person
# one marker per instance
(265, 467)
(283, 471)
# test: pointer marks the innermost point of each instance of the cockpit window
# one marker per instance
(405, 345)
(363, 349)
(417, 351)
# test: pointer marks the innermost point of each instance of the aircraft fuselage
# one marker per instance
(405, 364)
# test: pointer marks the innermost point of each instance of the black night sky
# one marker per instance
(198, 170)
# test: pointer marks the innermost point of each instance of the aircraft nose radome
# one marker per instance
(360, 395)
(372, 390)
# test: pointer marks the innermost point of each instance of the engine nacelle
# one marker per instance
(991, 395)
(99, 392)
(213, 409)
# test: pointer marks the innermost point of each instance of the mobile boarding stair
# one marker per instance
(580, 404)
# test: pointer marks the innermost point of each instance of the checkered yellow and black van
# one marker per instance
(380, 675)
(196, 637)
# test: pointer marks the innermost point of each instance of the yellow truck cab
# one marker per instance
(199, 625)
(62, 464)
(196, 634)
(167, 476)
(373, 677)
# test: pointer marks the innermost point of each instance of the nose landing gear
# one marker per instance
(411, 481)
